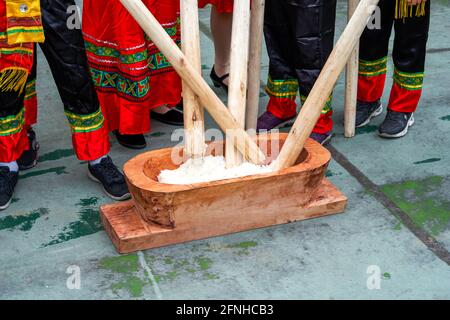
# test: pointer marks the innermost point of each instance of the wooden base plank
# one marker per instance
(129, 232)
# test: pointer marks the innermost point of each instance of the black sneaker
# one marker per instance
(111, 178)
(174, 117)
(365, 111)
(131, 141)
(322, 138)
(29, 158)
(8, 181)
(396, 124)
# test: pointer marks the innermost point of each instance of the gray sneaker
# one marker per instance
(396, 124)
(366, 111)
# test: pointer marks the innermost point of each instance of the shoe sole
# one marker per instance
(411, 122)
(219, 85)
(285, 124)
(170, 123)
(374, 114)
(126, 196)
(4, 207)
(327, 140)
(34, 164)
(132, 146)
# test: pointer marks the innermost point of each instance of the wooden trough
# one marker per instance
(162, 214)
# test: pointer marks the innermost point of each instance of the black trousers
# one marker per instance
(299, 36)
(410, 42)
(65, 53)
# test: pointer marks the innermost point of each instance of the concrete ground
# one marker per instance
(396, 229)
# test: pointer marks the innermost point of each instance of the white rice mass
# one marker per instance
(209, 169)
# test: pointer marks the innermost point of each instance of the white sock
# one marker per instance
(13, 166)
(94, 162)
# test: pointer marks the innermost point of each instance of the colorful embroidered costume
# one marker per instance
(64, 50)
(411, 24)
(223, 6)
(130, 74)
(299, 37)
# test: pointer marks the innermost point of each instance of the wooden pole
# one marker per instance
(351, 83)
(189, 74)
(194, 123)
(254, 65)
(324, 85)
(237, 91)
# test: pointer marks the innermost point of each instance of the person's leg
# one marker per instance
(29, 157)
(65, 53)
(373, 51)
(282, 85)
(13, 140)
(411, 36)
(314, 26)
(221, 26)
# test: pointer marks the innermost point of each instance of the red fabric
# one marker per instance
(12, 146)
(370, 89)
(403, 100)
(282, 108)
(223, 6)
(324, 124)
(107, 25)
(30, 112)
(90, 146)
(285, 108)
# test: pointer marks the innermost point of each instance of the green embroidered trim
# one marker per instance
(30, 90)
(85, 123)
(18, 51)
(372, 68)
(114, 81)
(113, 53)
(409, 81)
(143, 55)
(328, 105)
(12, 124)
(287, 88)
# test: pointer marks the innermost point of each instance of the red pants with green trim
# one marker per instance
(411, 35)
(65, 53)
(299, 36)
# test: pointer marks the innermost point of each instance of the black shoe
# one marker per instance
(219, 81)
(29, 158)
(322, 138)
(396, 124)
(131, 141)
(111, 178)
(365, 111)
(8, 181)
(174, 117)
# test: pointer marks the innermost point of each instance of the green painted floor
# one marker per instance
(395, 235)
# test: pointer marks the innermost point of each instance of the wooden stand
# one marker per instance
(129, 232)
(162, 214)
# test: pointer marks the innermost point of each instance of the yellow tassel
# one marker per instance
(403, 10)
(13, 79)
